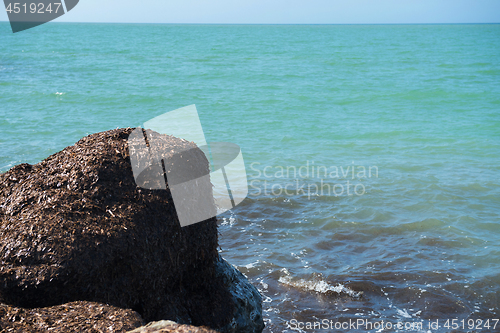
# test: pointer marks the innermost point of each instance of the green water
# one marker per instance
(419, 104)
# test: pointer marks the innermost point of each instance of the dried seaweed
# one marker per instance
(67, 318)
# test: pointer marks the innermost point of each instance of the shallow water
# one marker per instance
(414, 110)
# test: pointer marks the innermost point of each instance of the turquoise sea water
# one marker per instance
(418, 106)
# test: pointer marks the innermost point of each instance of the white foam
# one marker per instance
(251, 265)
(320, 286)
(404, 313)
(228, 221)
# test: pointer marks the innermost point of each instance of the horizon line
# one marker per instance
(184, 23)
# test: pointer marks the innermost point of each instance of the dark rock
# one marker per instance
(67, 318)
(247, 313)
(75, 227)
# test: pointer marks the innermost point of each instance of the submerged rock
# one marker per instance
(76, 227)
(247, 313)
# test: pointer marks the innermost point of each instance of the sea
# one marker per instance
(372, 153)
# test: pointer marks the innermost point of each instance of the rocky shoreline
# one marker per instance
(83, 248)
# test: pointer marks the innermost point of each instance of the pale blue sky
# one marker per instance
(284, 11)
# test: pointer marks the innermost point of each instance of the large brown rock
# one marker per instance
(76, 227)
